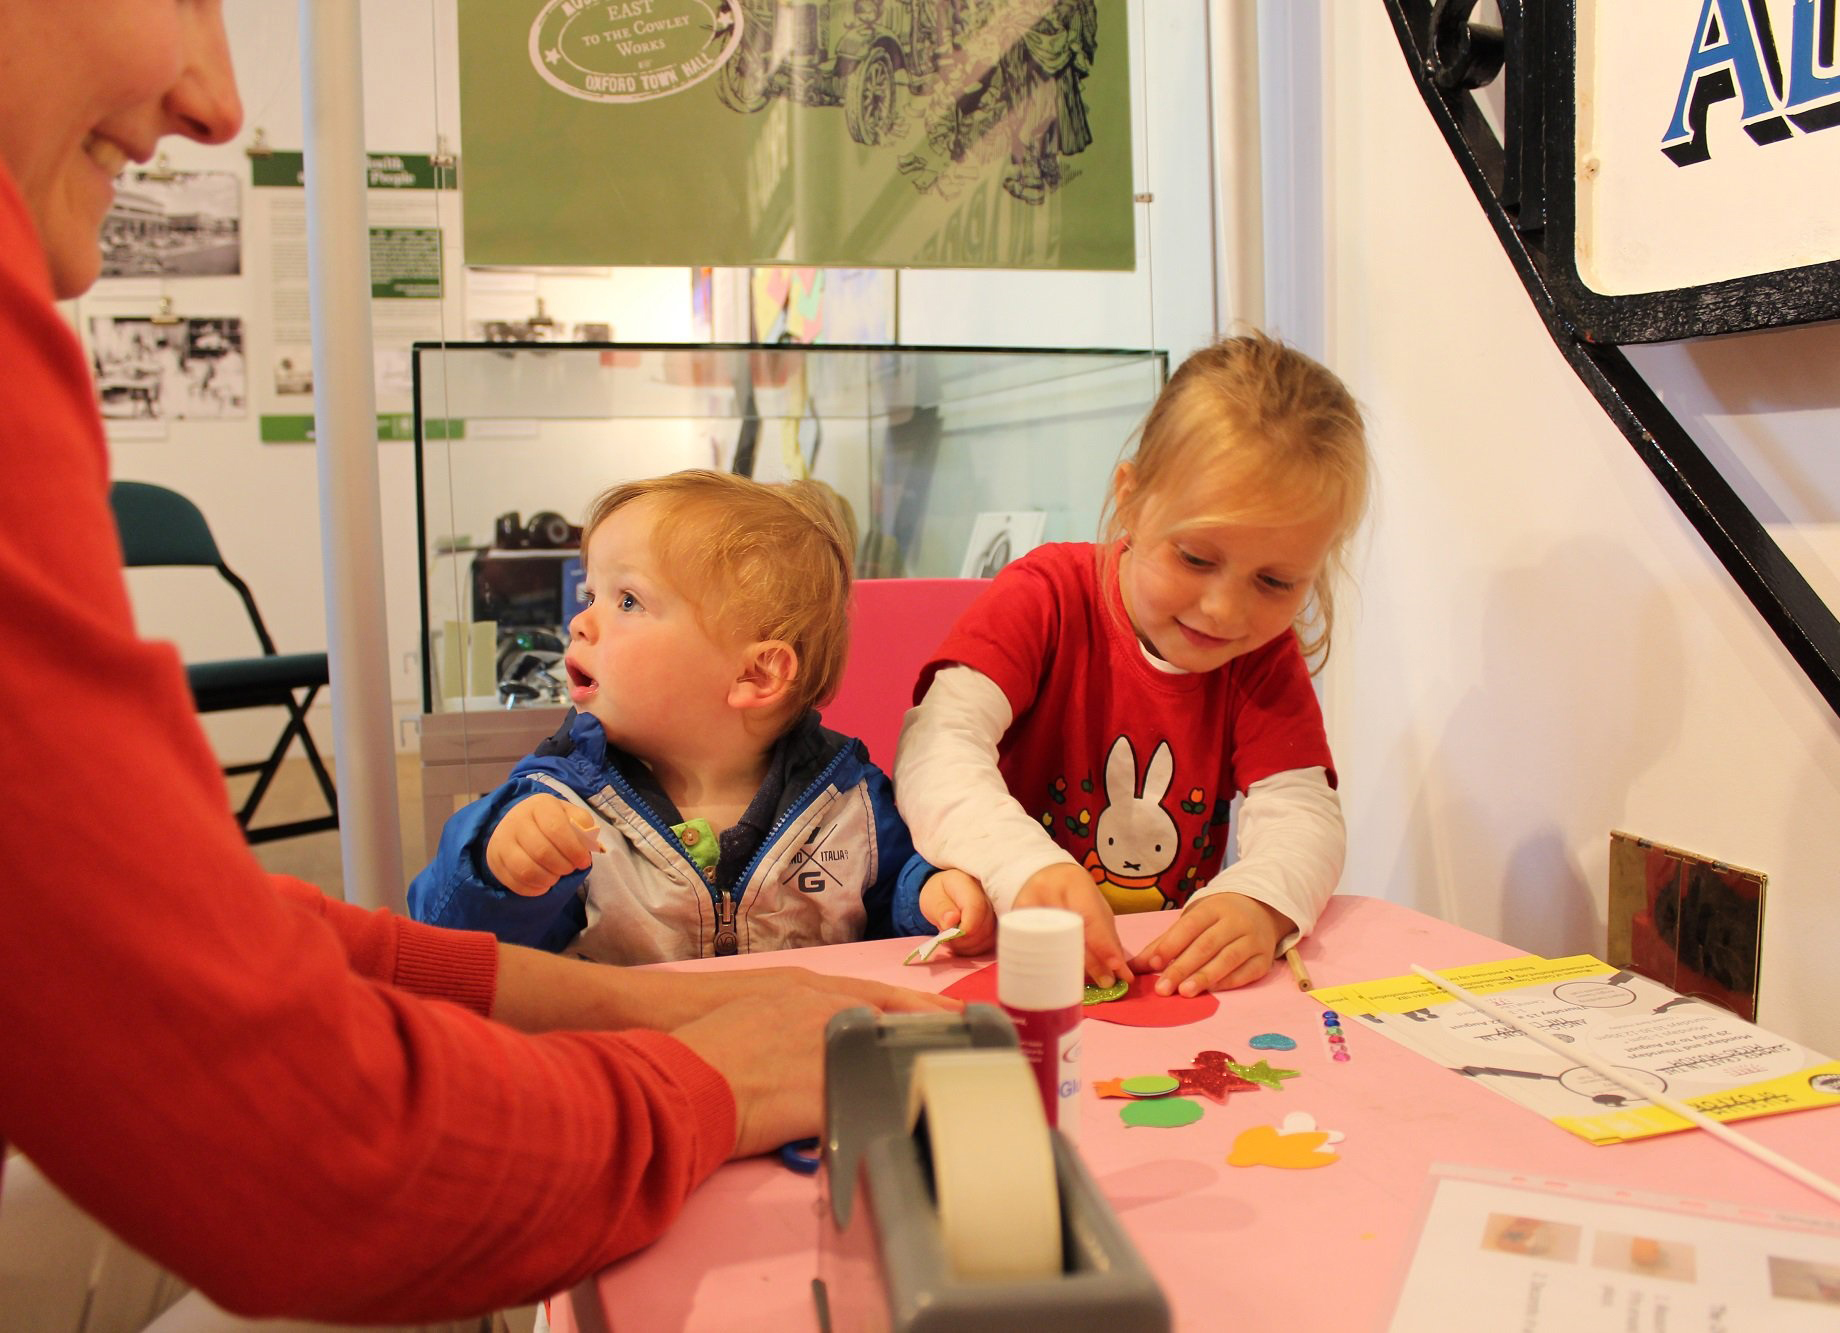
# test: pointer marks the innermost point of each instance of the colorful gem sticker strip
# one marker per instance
(1333, 1038)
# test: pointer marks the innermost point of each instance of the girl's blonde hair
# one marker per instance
(1249, 430)
(758, 561)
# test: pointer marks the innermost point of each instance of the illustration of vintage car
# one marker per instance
(857, 54)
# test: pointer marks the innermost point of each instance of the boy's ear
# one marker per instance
(768, 669)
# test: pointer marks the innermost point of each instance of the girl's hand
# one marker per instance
(541, 839)
(953, 898)
(1219, 942)
(1066, 885)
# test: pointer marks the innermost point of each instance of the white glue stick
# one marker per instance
(1041, 979)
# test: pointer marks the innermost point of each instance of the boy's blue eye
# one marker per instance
(628, 602)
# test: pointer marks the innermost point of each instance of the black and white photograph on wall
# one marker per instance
(998, 538)
(294, 372)
(155, 371)
(174, 224)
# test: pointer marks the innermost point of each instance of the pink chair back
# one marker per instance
(896, 624)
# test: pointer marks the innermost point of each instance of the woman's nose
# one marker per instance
(204, 104)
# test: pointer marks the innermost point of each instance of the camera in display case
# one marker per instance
(936, 450)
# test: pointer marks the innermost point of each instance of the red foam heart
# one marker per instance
(1139, 1007)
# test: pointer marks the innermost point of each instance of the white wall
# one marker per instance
(1542, 650)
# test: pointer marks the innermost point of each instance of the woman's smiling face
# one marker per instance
(87, 86)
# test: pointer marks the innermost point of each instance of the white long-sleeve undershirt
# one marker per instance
(951, 793)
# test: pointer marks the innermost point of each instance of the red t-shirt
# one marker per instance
(1130, 768)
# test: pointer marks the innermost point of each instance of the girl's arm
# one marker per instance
(952, 795)
(1291, 847)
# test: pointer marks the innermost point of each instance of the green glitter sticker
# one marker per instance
(1105, 994)
(1263, 1073)
(1162, 1113)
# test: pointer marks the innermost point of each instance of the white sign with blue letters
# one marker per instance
(1708, 141)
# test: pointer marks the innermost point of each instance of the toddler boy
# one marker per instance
(691, 804)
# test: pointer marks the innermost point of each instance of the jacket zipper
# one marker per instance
(739, 889)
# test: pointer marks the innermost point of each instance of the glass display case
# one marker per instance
(953, 460)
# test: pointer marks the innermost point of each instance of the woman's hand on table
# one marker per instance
(682, 997)
(773, 1058)
(1218, 942)
(541, 992)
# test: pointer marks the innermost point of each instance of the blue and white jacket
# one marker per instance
(826, 849)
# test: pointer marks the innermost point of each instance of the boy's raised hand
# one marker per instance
(953, 898)
(1066, 885)
(1218, 942)
(541, 839)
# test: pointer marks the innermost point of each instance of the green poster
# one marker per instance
(406, 262)
(940, 133)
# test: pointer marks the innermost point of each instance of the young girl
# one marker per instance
(1080, 734)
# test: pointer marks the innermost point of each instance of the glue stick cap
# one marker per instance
(1041, 958)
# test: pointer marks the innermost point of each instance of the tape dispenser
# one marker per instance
(948, 1203)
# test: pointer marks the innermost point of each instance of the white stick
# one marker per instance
(1576, 1055)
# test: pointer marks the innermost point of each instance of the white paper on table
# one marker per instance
(1500, 1253)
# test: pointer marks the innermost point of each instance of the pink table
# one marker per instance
(1249, 1248)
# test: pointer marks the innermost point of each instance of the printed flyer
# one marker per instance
(1684, 1048)
(1571, 1257)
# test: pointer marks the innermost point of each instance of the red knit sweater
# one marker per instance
(236, 1075)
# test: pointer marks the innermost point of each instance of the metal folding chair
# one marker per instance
(161, 527)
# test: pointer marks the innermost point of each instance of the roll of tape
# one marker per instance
(993, 1163)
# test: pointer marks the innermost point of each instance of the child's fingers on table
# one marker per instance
(1219, 958)
(1107, 958)
(1105, 963)
(1160, 953)
(1182, 950)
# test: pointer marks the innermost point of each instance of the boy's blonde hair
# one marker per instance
(758, 561)
(1249, 430)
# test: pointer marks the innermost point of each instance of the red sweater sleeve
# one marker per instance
(250, 1092)
(457, 965)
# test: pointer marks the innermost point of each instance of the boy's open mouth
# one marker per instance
(581, 684)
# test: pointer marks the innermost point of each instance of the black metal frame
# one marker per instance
(1524, 183)
(225, 699)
